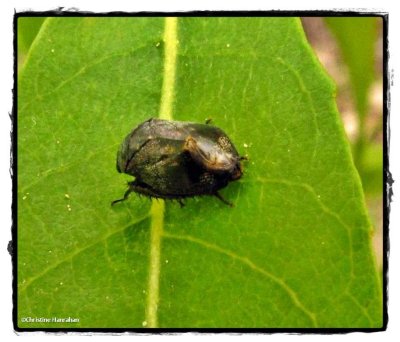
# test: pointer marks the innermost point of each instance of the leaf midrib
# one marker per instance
(158, 206)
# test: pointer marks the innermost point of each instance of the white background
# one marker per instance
(7, 9)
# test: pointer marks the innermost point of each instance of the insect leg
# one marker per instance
(219, 196)
(126, 195)
(181, 203)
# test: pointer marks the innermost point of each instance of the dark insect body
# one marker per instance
(174, 160)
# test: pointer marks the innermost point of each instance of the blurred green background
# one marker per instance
(351, 50)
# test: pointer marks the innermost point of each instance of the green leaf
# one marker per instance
(293, 252)
(371, 170)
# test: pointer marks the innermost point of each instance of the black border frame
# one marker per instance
(387, 177)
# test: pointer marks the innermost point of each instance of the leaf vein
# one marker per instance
(362, 308)
(62, 168)
(246, 261)
(307, 93)
(324, 208)
(80, 72)
(24, 286)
